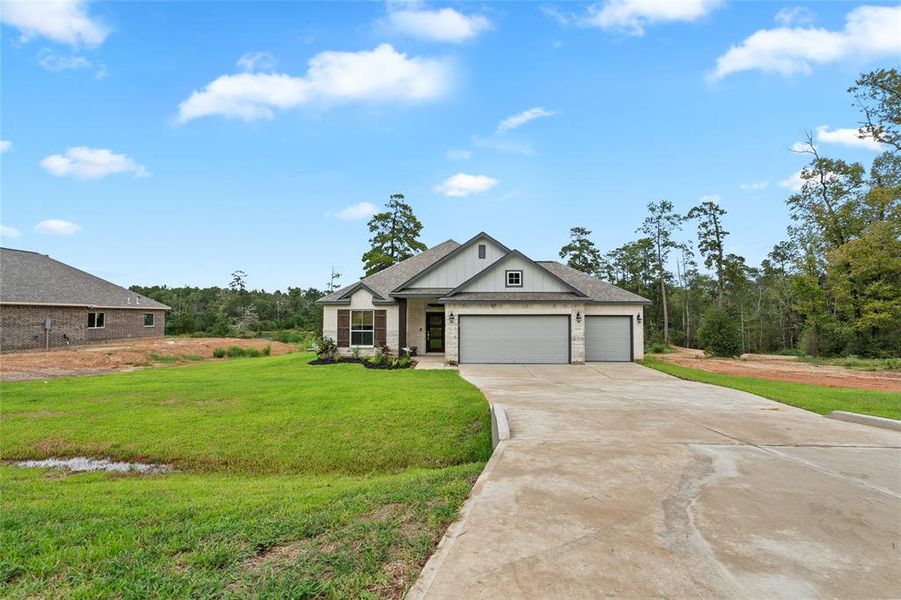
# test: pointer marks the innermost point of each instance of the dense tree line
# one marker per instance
(236, 310)
(833, 287)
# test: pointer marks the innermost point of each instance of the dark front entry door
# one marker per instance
(434, 332)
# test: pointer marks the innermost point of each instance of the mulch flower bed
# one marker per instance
(385, 366)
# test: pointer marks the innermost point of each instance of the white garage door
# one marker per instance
(608, 339)
(514, 339)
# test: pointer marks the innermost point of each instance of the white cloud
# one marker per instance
(458, 154)
(57, 62)
(504, 145)
(793, 182)
(257, 61)
(870, 32)
(379, 75)
(795, 15)
(846, 137)
(463, 184)
(520, 119)
(91, 163)
(440, 25)
(5, 146)
(57, 227)
(633, 16)
(755, 185)
(63, 21)
(801, 147)
(9, 232)
(355, 212)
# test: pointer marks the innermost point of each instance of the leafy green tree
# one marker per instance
(395, 236)
(878, 96)
(659, 226)
(581, 253)
(710, 240)
(719, 334)
(828, 205)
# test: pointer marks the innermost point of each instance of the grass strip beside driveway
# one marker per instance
(815, 398)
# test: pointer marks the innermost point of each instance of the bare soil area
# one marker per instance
(121, 355)
(787, 368)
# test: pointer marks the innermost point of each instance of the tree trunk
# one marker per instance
(665, 309)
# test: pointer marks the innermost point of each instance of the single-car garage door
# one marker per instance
(608, 339)
(514, 338)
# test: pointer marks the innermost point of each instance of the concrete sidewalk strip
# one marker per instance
(621, 481)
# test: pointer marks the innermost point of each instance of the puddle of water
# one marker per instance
(82, 463)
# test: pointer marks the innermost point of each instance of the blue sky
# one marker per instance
(175, 142)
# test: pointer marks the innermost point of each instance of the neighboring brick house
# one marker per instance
(45, 303)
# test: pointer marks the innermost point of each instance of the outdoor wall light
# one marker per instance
(450, 317)
(638, 318)
(578, 317)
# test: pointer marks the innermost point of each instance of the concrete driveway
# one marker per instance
(620, 481)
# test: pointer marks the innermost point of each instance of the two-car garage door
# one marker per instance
(514, 338)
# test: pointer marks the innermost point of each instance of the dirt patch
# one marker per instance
(121, 356)
(285, 554)
(786, 368)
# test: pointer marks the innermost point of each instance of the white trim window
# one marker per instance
(149, 320)
(514, 278)
(362, 328)
(96, 320)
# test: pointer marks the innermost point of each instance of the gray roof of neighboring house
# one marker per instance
(594, 288)
(32, 278)
(386, 280)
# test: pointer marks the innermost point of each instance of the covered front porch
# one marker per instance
(424, 325)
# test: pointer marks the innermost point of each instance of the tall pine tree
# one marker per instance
(581, 253)
(395, 236)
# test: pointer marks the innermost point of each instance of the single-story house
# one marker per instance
(47, 304)
(481, 302)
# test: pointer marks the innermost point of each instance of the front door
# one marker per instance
(434, 332)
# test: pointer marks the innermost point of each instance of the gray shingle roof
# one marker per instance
(32, 278)
(594, 288)
(388, 279)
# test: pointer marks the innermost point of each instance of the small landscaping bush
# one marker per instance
(166, 358)
(219, 353)
(326, 349)
(719, 334)
(660, 348)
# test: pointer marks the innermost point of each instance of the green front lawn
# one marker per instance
(815, 398)
(262, 415)
(293, 480)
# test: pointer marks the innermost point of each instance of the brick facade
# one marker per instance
(22, 326)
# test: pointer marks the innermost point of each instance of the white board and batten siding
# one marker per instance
(461, 267)
(534, 278)
(514, 339)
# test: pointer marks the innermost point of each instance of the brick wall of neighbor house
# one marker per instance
(22, 327)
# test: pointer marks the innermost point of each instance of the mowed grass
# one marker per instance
(293, 481)
(815, 398)
(271, 415)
